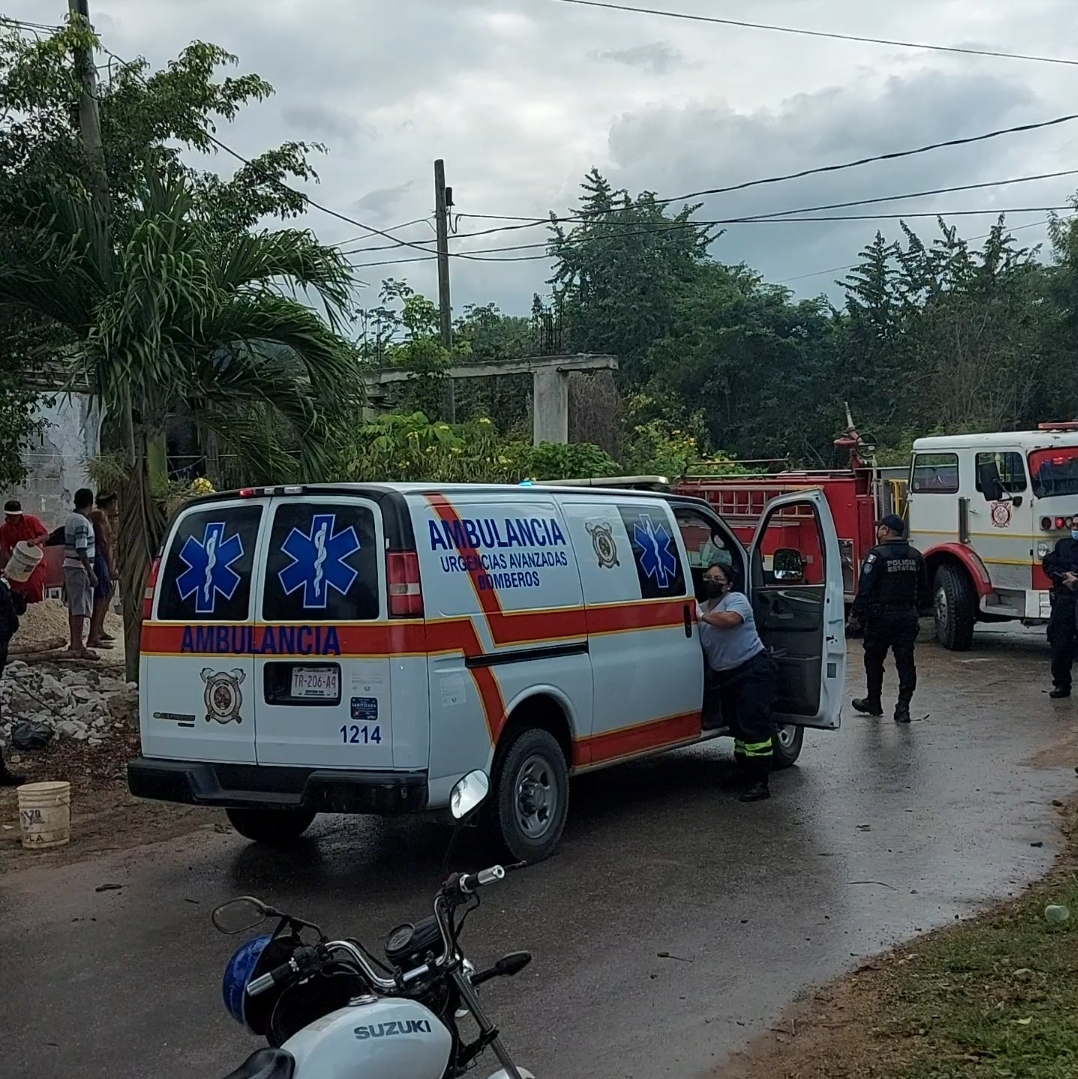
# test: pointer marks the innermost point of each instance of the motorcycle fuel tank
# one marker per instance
(382, 1039)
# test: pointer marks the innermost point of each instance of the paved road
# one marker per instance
(879, 833)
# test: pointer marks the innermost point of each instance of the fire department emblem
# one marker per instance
(602, 540)
(223, 698)
(1001, 514)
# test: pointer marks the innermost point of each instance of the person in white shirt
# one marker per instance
(79, 577)
(746, 673)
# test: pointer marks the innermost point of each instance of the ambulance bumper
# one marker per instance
(253, 786)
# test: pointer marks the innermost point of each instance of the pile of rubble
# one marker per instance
(72, 703)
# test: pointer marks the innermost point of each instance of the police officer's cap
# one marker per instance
(893, 522)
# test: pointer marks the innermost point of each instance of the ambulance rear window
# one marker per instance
(322, 564)
(207, 575)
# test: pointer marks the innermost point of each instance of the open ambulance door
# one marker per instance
(795, 585)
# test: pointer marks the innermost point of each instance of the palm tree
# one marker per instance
(176, 319)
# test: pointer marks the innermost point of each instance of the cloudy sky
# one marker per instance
(522, 97)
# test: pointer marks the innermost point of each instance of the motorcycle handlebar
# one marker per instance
(272, 978)
(468, 883)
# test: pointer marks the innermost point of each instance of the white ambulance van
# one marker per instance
(361, 648)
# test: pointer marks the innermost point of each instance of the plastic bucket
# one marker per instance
(24, 560)
(45, 814)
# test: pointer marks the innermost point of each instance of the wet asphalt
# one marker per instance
(879, 833)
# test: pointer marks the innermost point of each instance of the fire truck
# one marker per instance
(985, 510)
(857, 496)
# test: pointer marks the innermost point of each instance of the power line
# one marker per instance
(534, 222)
(922, 194)
(25, 25)
(834, 35)
(893, 155)
(391, 228)
(477, 255)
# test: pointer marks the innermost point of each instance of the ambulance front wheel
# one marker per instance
(786, 745)
(532, 788)
(270, 825)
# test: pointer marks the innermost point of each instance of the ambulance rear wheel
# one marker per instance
(270, 825)
(532, 789)
(955, 608)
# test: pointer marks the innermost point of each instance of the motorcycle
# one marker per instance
(330, 1010)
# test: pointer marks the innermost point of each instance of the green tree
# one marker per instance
(182, 319)
(620, 272)
(148, 120)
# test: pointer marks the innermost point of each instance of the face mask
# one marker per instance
(1074, 533)
(712, 589)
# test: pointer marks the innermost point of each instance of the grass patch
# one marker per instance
(994, 997)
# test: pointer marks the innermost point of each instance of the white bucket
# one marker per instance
(24, 560)
(45, 814)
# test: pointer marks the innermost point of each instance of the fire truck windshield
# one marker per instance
(1054, 472)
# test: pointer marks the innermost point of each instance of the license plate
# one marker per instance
(308, 682)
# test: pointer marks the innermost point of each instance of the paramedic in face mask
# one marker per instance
(746, 674)
(1061, 567)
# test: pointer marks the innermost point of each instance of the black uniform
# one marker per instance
(11, 606)
(1061, 625)
(893, 581)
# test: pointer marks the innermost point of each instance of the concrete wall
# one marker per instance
(56, 460)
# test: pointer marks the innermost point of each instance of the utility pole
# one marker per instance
(89, 121)
(443, 200)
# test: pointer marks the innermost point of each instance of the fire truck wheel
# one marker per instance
(787, 745)
(955, 609)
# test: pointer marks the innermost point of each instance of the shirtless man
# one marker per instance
(104, 570)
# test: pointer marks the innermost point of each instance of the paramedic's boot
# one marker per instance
(867, 707)
(902, 712)
(759, 790)
(1059, 692)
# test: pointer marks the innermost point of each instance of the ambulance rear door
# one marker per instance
(321, 662)
(795, 585)
(196, 693)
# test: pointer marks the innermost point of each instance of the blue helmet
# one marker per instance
(238, 972)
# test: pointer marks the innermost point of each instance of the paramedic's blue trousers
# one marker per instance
(748, 695)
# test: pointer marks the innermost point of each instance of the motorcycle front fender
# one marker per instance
(501, 1073)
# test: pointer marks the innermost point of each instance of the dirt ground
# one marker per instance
(104, 816)
(911, 1013)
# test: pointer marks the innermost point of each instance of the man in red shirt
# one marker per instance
(23, 527)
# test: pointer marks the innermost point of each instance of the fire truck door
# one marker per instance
(796, 593)
(1001, 519)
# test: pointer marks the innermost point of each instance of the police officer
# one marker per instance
(1061, 567)
(893, 582)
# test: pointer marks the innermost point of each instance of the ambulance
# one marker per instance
(361, 648)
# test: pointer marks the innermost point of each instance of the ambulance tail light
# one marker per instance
(402, 578)
(151, 587)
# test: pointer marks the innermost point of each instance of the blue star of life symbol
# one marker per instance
(657, 560)
(318, 561)
(209, 570)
